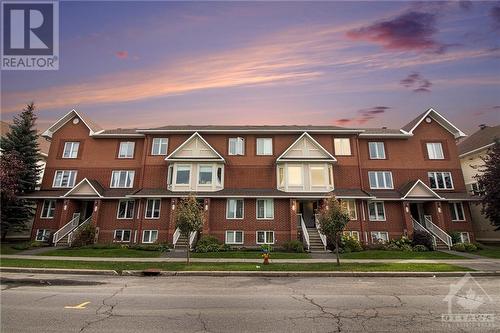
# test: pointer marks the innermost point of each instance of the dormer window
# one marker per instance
(236, 146)
(126, 149)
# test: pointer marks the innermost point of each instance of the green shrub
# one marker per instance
(460, 247)
(455, 237)
(293, 246)
(350, 244)
(150, 247)
(406, 248)
(23, 246)
(392, 247)
(378, 245)
(479, 246)
(422, 238)
(208, 244)
(85, 236)
(469, 247)
(266, 248)
(420, 248)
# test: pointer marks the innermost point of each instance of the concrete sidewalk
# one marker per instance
(483, 264)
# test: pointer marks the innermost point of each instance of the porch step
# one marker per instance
(181, 243)
(63, 242)
(315, 243)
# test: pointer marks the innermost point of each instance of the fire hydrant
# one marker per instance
(265, 255)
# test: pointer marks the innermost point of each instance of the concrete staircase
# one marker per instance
(440, 245)
(181, 242)
(315, 243)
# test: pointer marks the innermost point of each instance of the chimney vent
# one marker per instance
(482, 126)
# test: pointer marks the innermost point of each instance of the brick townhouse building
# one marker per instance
(256, 184)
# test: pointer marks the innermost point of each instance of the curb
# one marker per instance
(247, 273)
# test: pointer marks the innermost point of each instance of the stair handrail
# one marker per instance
(438, 232)
(418, 226)
(177, 234)
(73, 232)
(66, 229)
(321, 235)
(305, 234)
(192, 237)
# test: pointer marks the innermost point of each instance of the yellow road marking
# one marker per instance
(79, 306)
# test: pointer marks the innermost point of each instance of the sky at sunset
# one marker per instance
(353, 64)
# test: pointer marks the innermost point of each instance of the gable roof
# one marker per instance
(195, 136)
(93, 127)
(327, 156)
(413, 186)
(410, 127)
(480, 140)
(86, 183)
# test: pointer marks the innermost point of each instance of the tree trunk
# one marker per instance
(337, 249)
(187, 249)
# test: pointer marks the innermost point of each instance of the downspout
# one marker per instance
(362, 231)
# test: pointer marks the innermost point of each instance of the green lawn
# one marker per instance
(6, 248)
(387, 254)
(109, 252)
(251, 255)
(489, 251)
(178, 266)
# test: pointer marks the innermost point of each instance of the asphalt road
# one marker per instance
(242, 304)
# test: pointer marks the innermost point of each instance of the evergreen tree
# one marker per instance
(20, 155)
(488, 181)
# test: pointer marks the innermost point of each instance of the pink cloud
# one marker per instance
(121, 54)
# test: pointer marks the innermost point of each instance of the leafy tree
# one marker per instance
(488, 181)
(332, 219)
(188, 218)
(19, 158)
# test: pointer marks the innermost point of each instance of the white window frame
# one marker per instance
(266, 241)
(265, 209)
(377, 213)
(235, 209)
(149, 238)
(189, 168)
(339, 145)
(153, 209)
(377, 234)
(44, 236)
(212, 174)
(326, 180)
(239, 146)
(353, 234)
(441, 174)
(301, 167)
(433, 153)
(129, 174)
(264, 142)
(378, 186)
(453, 211)
(121, 239)
(63, 172)
(160, 142)
(462, 239)
(124, 144)
(127, 203)
(379, 150)
(353, 212)
(234, 236)
(51, 209)
(72, 152)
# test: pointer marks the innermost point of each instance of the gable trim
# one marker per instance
(62, 121)
(195, 134)
(81, 182)
(425, 185)
(305, 134)
(439, 118)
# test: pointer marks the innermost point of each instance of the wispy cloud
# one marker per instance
(363, 116)
(416, 82)
(121, 54)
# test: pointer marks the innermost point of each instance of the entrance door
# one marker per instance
(86, 209)
(417, 211)
(308, 208)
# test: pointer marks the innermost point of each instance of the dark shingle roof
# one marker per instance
(479, 139)
(298, 128)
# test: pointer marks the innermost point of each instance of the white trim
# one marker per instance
(152, 217)
(128, 172)
(434, 114)
(441, 172)
(476, 150)
(326, 195)
(379, 232)
(118, 209)
(121, 239)
(48, 210)
(195, 134)
(376, 211)
(265, 210)
(150, 232)
(70, 115)
(76, 186)
(454, 205)
(44, 238)
(376, 178)
(315, 142)
(425, 185)
(55, 174)
(159, 145)
(344, 131)
(235, 209)
(265, 237)
(235, 243)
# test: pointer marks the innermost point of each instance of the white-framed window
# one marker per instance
(265, 209)
(318, 175)
(265, 237)
(159, 146)
(170, 174)
(440, 180)
(126, 149)
(281, 176)
(183, 175)
(377, 150)
(149, 236)
(435, 151)
(205, 174)
(64, 178)
(342, 146)
(350, 206)
(122, 179)
(122, 235)
(234, 209)
(264, 146)
(234, 237)
(125, 209)
(153, 209)
(42, 235)
(71, 149)
(219, 176)
(376, 211)
(380, 179)
(380, 236)
(48, 209)
(475, 189)
(236, 146)
(352, 234)
(295, 175)
(457, 211)
(464, 237)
